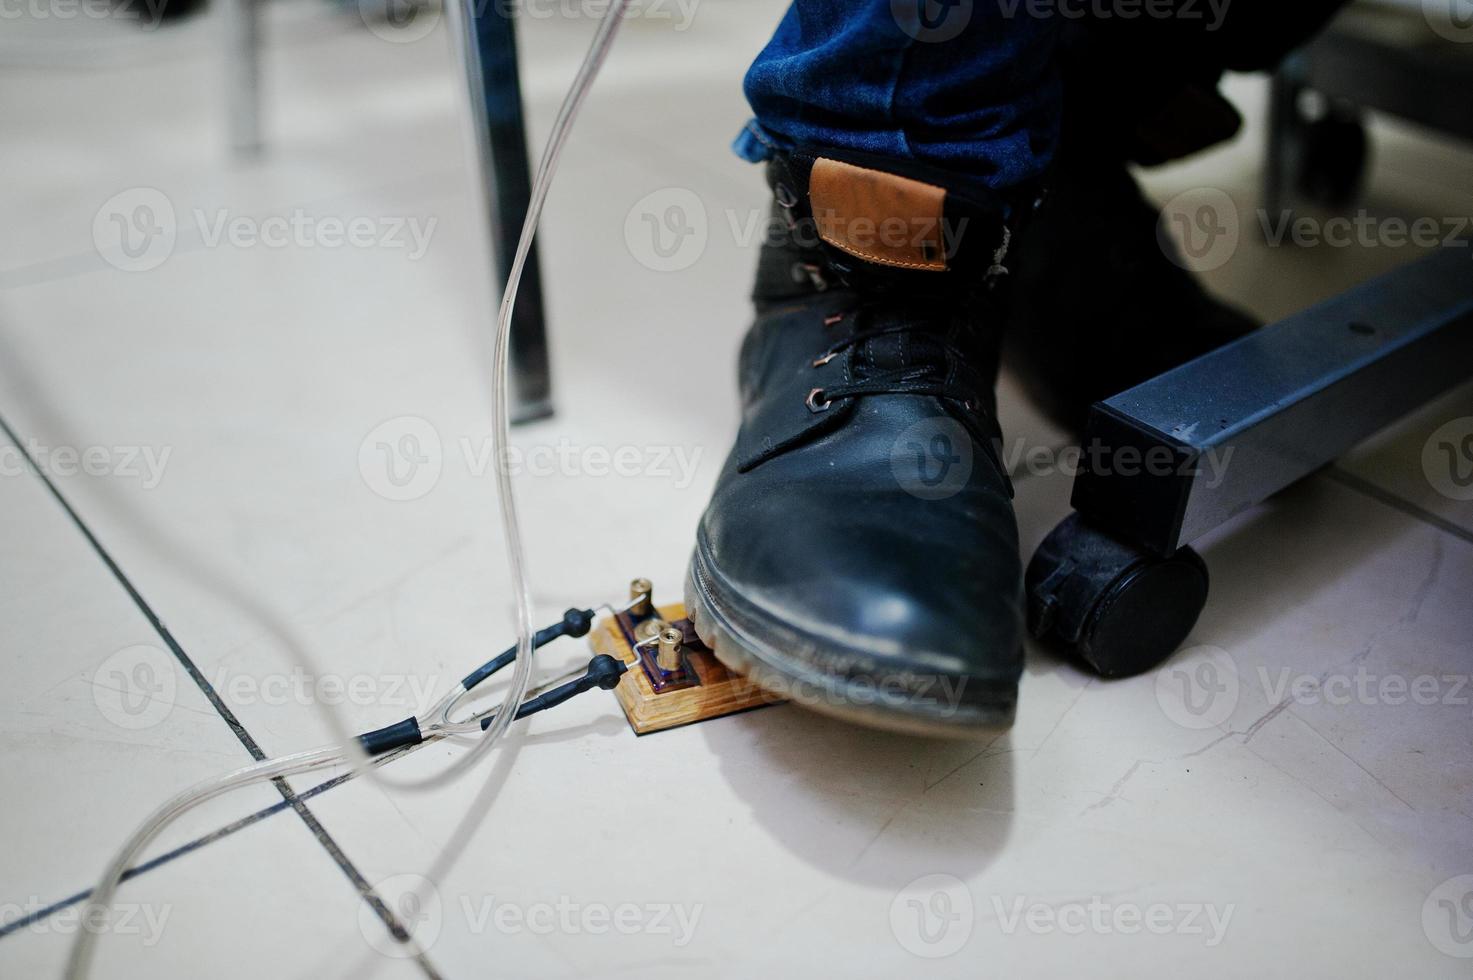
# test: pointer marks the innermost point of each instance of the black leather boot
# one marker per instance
(860, 555)
(1100, 301)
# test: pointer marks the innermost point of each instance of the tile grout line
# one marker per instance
(194, 845)
(365, 890)
(1366, 488)
(297, 802)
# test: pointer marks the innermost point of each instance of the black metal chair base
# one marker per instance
(1181, 454)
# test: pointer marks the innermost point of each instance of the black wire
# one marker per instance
(603, 672)
(391, 737)
(575, 622)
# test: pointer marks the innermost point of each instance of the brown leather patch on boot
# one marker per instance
(880, 217)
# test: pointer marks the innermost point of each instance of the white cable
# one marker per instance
(598, 51)
(323, 757)
(80, 959)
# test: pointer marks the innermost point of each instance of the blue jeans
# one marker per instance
(972, 86)
(954, 84)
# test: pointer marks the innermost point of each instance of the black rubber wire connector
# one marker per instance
(391, 737)
(603, 672)
(575, 623)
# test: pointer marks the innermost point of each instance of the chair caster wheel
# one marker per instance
(1123, 611)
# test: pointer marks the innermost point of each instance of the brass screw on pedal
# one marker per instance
(672, 640)
(649, 629)
(641, 592)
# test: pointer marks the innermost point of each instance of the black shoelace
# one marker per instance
(938, 376)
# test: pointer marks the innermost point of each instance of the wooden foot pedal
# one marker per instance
(673, 678)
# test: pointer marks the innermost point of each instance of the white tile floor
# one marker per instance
(1276, 834)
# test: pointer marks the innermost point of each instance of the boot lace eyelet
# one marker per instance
(817, 402)
(812, 274)
(821, 361)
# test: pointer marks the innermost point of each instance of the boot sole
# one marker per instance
(733, 629)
